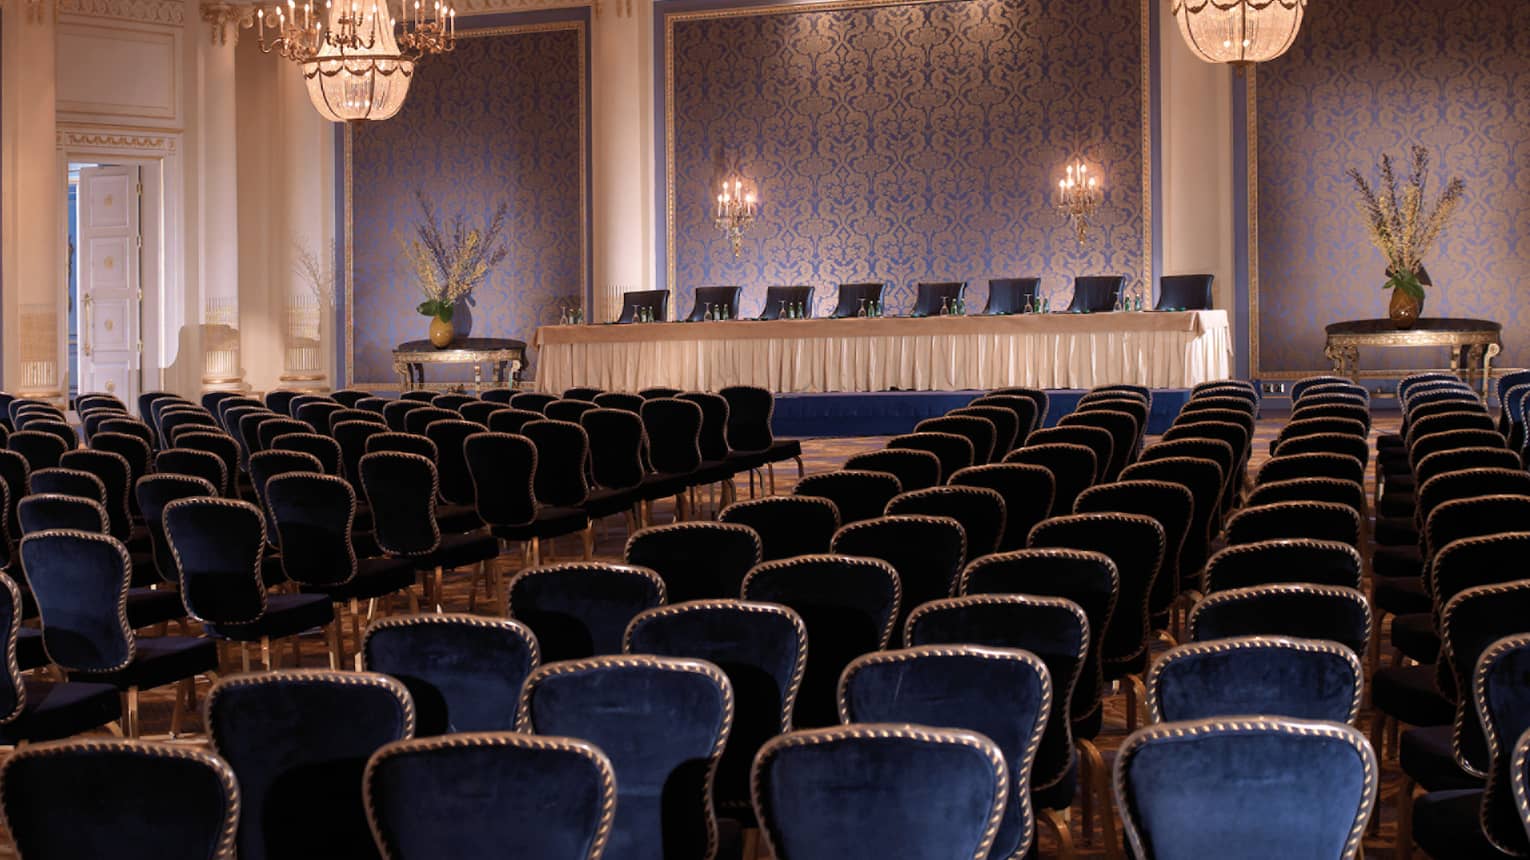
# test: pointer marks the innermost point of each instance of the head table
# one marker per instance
(1172, 349)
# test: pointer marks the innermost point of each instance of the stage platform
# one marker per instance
(889, 413)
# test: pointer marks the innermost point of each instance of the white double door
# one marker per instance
(110, 238)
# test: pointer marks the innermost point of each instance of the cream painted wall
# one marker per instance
(1196, 162)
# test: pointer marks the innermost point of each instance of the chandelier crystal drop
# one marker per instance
(357, 59)
(1239, 32)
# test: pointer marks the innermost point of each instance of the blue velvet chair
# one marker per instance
(1096, 439)
(451, 464)
(32, 710)
(750, 410)
(655, 301)
(153, 493)
(845, 793)
(787, 526)
(1072, 466)
(511, 420)
(494, 788)
(1247, 787)
(56, 427)
(1049, 631)
(568, 410)
(780, 299)
(142, 801)
(479, 411)
(1011, 295)
(41, 512)
(927, 552)
(365, 416)
(319, 446)
(1125, 435)
(1184, 293)
(302, 400)
(464, 672)
(1305, 679)
(503, 467)
(56, 480)
(978, 431)
(221, 445)
(185, 462)
(930, 298)
(1285, 520)
(663, 723)
(1173, 506)
(80, 582)
(281, 401)
(851, 297)
(1204, 479)
(1322, 562)
(316, 414)
(623, 400)
(715, 299)
(115, 475)
(850, 606)
(560, 476)
(582, 609)
(857, 495)
(979, 510)
(1026, 410)
(697, 560)
(267, 464)
(1006, 425)
(403, 443)
(1096, 293)
(419, 419)
(396, 411)
(40, 449)
(915, 470)
(401, 490)
(761, 647)
(219, 546)
(1300, 610)
(298, 741)
(173, 424)
(269, 430)
(1217, 449)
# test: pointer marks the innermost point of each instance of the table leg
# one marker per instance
(1487, 368)
(478, 377)
(401, 370)
(1455, 361)
(1473, 365)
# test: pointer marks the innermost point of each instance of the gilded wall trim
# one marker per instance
(166, 12)
(1252, 157)
(788, 8)
(579, 28)
(74, 140)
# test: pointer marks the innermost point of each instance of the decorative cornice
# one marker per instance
(145, 11)
(68, 139)
(486, 7)
(223, 17)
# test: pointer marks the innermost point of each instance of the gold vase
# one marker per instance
(441, 333)
(1404, 310)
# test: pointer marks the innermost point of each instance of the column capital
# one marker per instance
(225, 17)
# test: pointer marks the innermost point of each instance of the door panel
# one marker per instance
(109, 299)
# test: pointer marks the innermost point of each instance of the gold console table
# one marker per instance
(506, 356)
(1477, 341)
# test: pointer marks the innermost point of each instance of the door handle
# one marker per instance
(89, 303)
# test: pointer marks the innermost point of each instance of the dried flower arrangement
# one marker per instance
(1405, 228)
(451, 260)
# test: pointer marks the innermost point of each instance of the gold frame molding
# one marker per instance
(789, 8)
(581, 29)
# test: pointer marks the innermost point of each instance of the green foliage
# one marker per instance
(441, 310)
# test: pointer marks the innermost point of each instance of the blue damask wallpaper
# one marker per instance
(905, 143)
(1368, 77)
(501, 118)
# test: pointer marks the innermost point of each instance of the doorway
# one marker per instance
(106, 279)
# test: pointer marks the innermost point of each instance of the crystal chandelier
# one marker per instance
(1239, 32)
(354, 64)
(1078, 196)
(735, 213)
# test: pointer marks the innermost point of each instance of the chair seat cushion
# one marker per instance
(550, 523)
(1395, 531)
(604, 503)
(56, 711)
(1398, 504)
(1446, 824)
(460, 550)
(455, 519)
(1401, 595)
(663, 485)
(1426, 756)
(1414, 635)
(145, 572)
(1408, 694)
(1400, 482)
(159, 661)
(375, 577)
(30, 653)
(783, 449)
(286, 615)
(746, 460)
(713, 472)
(147, 607)
(1388, 441)
(364, 544)
(1398, 562)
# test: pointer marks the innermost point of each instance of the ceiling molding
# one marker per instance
(165, 12)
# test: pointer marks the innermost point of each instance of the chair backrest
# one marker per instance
(1026, 490)
(1284, 467)
(401, 490)
(1343, 492)
(1171, 505)
(502, 466)
(624, 400)
(811, 783)
(321, 447)
(1301, 519)
(1321, 776)
(780, 300)
(419, 419)
(1333, 406)
(266, 465)
(451, 400)
(281, 401)
(42, 512)
(397, 410)
(858, 495)
(115, 474)
(1456, 459)
(930, 298)
(299, 740)
(661, 750)
(418, 395)
(1474, 516)
(1326, 443)
(407, 792)
(761, 647)
(1204, 479)
(1136, 544)
(352, 438)
(563, 453)
(616, 447)
(269, 430)
(221, 445)
(318, 414)
(404, 443)
(851, 297)
(511, 420)
(567, 410)
(1300, 386)
(1305, 679)
(927, 552)
(41, 450)
(69, 482)
(372, 404)
(582, 609)
(1038, 398)
(674, 434)
(1011, 295)
(1003, 694)
(451, 463)
(1071, 465)
(464, 672)
(14, 475)
(49, 789)
(786, 525)
(154, 492)
(954, 450)
(714, 424)
(1024, 409)
(979, 511)
(1323, 562)
(1465, 419)
(218, 545)
(349, 397)
(656, 301)
(1097, 439)
(1474, 561)
(1094, 293)
(915, 470)
(196, 464)
(1502, 699)
(80, 582)
(1466, 483)
(312, 515)
(979, 431)
(697, 560)
(1472, 620)
(849, 606)
(717, 300)
(1301, 610)
(302, 400)
(1184, 292)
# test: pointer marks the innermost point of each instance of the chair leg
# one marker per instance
(1136, 702)
(1404, 840)
(265, 653)
(130, 712)
(589, 541)
(435, 589)
(244, 656)
(181, 706)
(297, 652)
(1090, 762)
(770, 468)
(1056, 822)
(336, 649)
(1379, 735)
